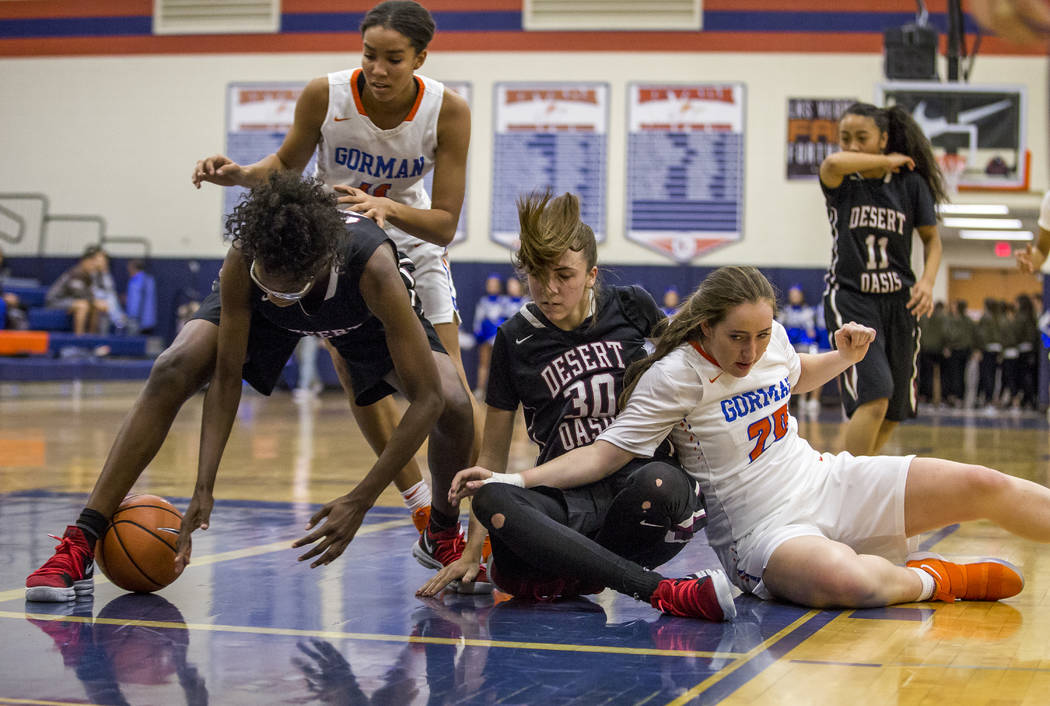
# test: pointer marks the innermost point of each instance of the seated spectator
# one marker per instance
(12, 313)
(106, 289)
(141, 303)
(74, 293)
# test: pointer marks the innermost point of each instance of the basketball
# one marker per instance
(137, 552)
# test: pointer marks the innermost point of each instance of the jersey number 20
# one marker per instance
(776, 423)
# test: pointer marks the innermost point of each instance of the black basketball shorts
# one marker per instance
(889, 370)
(364, 349)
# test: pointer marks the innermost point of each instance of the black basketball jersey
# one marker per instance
(335, 308)
(568, 382)
(872, 222)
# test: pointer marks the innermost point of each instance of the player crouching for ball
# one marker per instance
(298, 267)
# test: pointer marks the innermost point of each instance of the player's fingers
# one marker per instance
(318, 516)
(314, 550)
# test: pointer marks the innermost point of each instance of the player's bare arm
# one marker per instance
(921, 302)
(293, 155)
(384, 292)
(836, 166)
(222, 398)
(851, 345)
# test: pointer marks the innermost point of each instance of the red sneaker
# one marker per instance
(438, 550)
(547, 590)
(705, 594)
(67, 574)
(985, 579)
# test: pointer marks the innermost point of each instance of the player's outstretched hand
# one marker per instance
(217, 169)
(465, 568)
(1030, 260)
(466, 483)
(921, 302)
(343, 517)
(197, 516)
(852, 341)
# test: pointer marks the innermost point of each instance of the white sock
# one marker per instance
(417, 496)
(928, 584)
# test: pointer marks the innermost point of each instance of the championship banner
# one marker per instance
(812, 133)
(685, 167)
(259, 115)
(549, 135)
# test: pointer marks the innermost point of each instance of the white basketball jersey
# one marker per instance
(391, 163)
(733, 435)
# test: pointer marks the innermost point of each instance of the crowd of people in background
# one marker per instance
(988, 361)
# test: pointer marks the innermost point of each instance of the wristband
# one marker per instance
(508, 478)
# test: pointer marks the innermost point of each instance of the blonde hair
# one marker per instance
(550, 226)
(720, 291)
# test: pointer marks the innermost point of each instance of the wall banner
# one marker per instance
(549, 135)
(812, 133)
(685, 167)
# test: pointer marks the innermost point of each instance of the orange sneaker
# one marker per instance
(986, 579)
(421, 518)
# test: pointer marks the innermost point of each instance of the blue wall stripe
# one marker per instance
(495, 21)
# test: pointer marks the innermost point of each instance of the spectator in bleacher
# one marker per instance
(140, 305)
(106, 289)
(671, 301)
(12, 313)
(1027, 347)
(990, 341)
(931, 351)
(488, 315)
(959, 337)
(74, 293)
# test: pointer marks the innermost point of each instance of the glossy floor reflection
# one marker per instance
(249, 624)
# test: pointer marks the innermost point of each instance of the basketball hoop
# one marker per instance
(952, 166)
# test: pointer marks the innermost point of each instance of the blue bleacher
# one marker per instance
(41, 319)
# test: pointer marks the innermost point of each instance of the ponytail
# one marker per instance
(906, 137)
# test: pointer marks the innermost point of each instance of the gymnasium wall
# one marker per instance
(106, 119)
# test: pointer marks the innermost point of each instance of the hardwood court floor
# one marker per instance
(248, 624)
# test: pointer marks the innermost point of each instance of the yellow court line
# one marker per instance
(371, 637)
(37, 702)
(233, 554)
(743, 659)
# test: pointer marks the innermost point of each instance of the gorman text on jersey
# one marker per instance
(739, 406)
(375, 165)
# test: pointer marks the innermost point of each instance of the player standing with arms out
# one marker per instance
(562, 359)
(718, 382)
(882, 187)
(378, 130)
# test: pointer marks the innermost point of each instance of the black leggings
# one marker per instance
(611, 532)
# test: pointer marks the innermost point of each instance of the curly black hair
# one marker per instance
(291, 225)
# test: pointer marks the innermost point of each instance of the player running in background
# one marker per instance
(882, 187)
(786, 521)
(562, 359)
